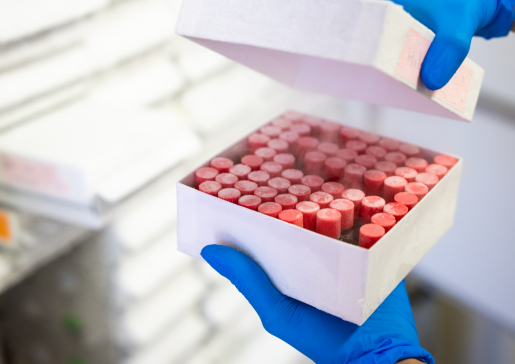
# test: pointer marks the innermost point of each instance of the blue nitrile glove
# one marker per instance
(389, 335)
(455, 22)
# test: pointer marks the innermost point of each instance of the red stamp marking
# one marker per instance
(455, 93)
(411, 57)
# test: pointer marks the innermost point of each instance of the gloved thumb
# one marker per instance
(444, 57)
(246, 275)
(316, 334)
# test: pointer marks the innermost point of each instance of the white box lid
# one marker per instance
(91, 153)
(370, 50)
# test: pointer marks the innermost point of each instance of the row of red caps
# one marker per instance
(296, 171)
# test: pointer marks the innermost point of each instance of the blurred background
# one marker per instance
(103, 109)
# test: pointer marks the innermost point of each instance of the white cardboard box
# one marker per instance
(369, 50)
(79, 163)
(336, 277)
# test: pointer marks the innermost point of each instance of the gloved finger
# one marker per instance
(315, 333)
(246, 275)
(444, 57)
(395, 312)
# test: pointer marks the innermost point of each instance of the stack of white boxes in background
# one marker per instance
(134, 298)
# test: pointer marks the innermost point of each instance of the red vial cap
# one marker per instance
(280, 184)
(335, 189)
(246, 187)
(293, 175)
(315, 157)
(354, 196)
(260, 177)
(287, 201)
(301, 129)
(428, 179)
(409, 149)
(287, 160)
(292, 138)
(347, 133)
(253, 161)
(329, 223)
(271, 131)
(373, 181)
(302, 192)
(353, 176)
(418, 189)
(292, 217)
(323, 199)
(293, 115)
(274, 169)
(205, 174)
(396, 209)
(257, 140)
(329, 131)
(387, 221)
(241, 171)
(265, 193)
(250, 201)
(407, 199)
(330, 126)
(370, 234)
(313, 182)
(370, 206)
(437, 169)
(221, 164)
(227, 180)
(314, 162)
(309, 212)
(376, 151)
(314, 122)
(391, 145)
(230, 195)
(366, 161)
(347, 154)
(210, 187)
(266, 153)
(387, 167)
(279, 145)
(446, 161)
(418, 164)
(407, 173)
(270, 208)
(346, 210)
(396, 157)
(334, 167)
(282, 123)
(328, 148)
(307, 144)
(356, 145)
(392, 186)
(369, 138)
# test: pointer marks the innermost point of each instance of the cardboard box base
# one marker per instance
(336, 277)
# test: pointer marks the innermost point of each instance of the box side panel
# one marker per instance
(350, 31)
(393, 257)
(404, 44)
(398, 57)
(319, 271)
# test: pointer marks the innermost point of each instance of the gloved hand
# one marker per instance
(455, 22)
(388, 336)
